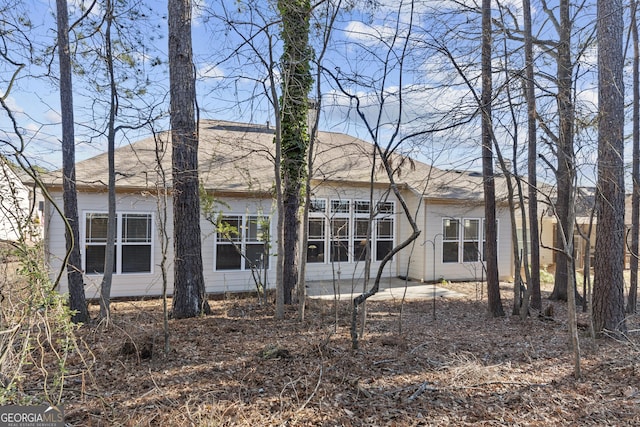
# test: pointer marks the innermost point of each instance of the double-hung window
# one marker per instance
(362, 230)
(316, 229)
(96, 243)
(133, 244)
(471, 244)
(463, 240)
(450, 240)
(384, 230)
(242, 242)
(340, 230)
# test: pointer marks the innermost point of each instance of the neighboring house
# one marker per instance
(236, 169)
(584, 237)
(20, 211)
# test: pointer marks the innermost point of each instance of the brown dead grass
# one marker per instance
(240, 367)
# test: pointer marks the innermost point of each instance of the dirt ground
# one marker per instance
(240, 367)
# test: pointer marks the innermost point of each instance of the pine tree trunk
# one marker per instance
(608, 285)
(491, 248)
(109, 258)
(294, 106)
(189, 298)
(77, 300)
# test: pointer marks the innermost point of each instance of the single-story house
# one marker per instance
(236, 170)
(21, 207)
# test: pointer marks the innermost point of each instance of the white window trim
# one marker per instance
(351, 215)
(118, 242)
(461, 240)
(243, 243)
(445, 240)
(479, 240)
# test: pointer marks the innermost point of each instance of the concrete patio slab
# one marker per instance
(390, 289)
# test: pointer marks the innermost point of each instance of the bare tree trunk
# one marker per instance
(302, 262)
(189, 298)
(565, 152)
(632, 300)
(490, 253)
(109, 258)
(163, 234)
(533, 286)
(314, 121)
(574, 340)
(279, 314)
(77, 300)
(608, 284)
(520, 254)
(415, 232)
(385, 154)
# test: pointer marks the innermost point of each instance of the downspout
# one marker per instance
(425, 252)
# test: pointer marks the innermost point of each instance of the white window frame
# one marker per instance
(478, 239)
(243, 240)
(319, 255)
(446, 222)
(340, 239)
(461, 240)
(120, 242)
(383, 215)
(358, 240)
(345, 210)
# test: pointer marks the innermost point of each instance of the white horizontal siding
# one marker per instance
(435, 269)
(150, 284)
(411, 259)
(235, 281)
(123, 285)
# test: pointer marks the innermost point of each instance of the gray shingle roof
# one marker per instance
(238, 157)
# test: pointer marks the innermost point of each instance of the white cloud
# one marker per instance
(198, 11)
(368, 34)
(52, 116)
(208, 71)
(13, 105)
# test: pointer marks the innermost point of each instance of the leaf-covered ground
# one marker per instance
(240, 367)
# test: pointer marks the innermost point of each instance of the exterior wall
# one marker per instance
(150, 284)
(231, 280)
(411, 261)
(14, 206)
(123, 285)
(423, 260)
(547, 239)
(433, 267)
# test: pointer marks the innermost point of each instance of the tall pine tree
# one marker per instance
(77, 301)
(608, 282)
(189, 298)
